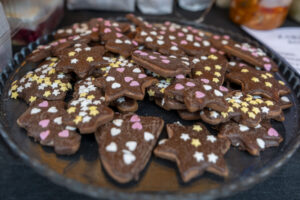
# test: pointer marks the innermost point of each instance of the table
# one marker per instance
(19, 181)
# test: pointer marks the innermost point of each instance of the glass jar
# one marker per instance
(259, 14)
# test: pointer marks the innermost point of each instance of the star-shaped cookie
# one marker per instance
(194, 150)
(250, 139)
(126, 143)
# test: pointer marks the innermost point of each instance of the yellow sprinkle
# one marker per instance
(53, 59)
(269, 75)
(218, 74)
(244, 70)
(51, 64)
(14, 95)
(83, 94)
(28, 75)
(213, 57)
(216, 80)
(196, 142)
(64, 88)
(71, 110)
(94, 112)
(251, 115)
(91, 97)
(72, 53)
(40, 80)
(14, 87)
(77, 119)
(69, 85)
(35, 77)
(151, 93)
(269, 103)
(254, 79)
(218, 67)
(259, 101)
(32, 99)
(245, 104)
(207, 68)
(244, 109)
(90, 59)
(52, 71)
(253, 102)
(281, 82)
(236, 105)
(198, 73)
(264, 76)
(93, 108)
(168, 80)
(255, 110)
(224, 114)
(58, 81)
(230, 109)
(268, 84)
(231, 101)
(162, 90)
(47, 93)
(197, 128)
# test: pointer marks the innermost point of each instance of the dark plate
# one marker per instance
(83, 173)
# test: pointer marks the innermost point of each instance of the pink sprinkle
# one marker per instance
(121, 69)
(135, 118)
(75, 26)
(221, 52)
(94, 29)
(54, 44)
(137, 125)
(118, 29)
(216, 37)
(223, 89)
(142, 76)
(174, 43)
(163, 57)
(152, 57)
(179, 86)
(254, 54)
(64, 134)
(180, 34)
(162, 32)
(137, 51)
(268, 67)
(44, 104)
(204, 80)
(183, 42)
(172, 29)
(213, 50)
(134, 83)
(266, 59)
(194, 31)
(165, 61)
(245, 48)
(189, 28)
(199, 94)
(134, 43)
(107, 23)
(107, 30)
(149, 25)
(128, 78)
(242, 64)
(44, 123)
(167, 23)
(190, 84)
(99, 19)
(44, 134)
(227, 37)
(198, 38)
(119, 35)
(143, 53)
(180, 76)
(273, 132)
(62, 40)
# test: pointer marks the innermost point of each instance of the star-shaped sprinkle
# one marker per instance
(194, 156)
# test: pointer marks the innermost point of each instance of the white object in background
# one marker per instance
(194, 5)
(285, 41)
(5, 40)
(155, 7)
(110, 5)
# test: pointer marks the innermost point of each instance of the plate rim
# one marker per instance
(97, 192)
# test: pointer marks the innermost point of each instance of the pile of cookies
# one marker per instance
(90, 78)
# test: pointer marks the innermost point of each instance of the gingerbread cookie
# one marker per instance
(42, 83)
(125, 105)
(258, 82)
(43, 121)
(166, 66)
(198, 94)
(80, 59)
(126, 143)
(124, 81)
(212, 68)
(250, 139)
(194, 150)
(245, 109)
(244, 51)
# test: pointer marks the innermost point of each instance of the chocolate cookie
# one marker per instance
(43, 121)
(158, 89)
(125, 105)
(126, 143)
(42, 83)
(250, 139)
(245, 109)
(80, 59)
(186, 115)
(194, 150)
(166, 66)
(124, 81)
(258, 82)
(244, 51)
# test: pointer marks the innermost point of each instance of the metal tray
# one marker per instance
(82, 172)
